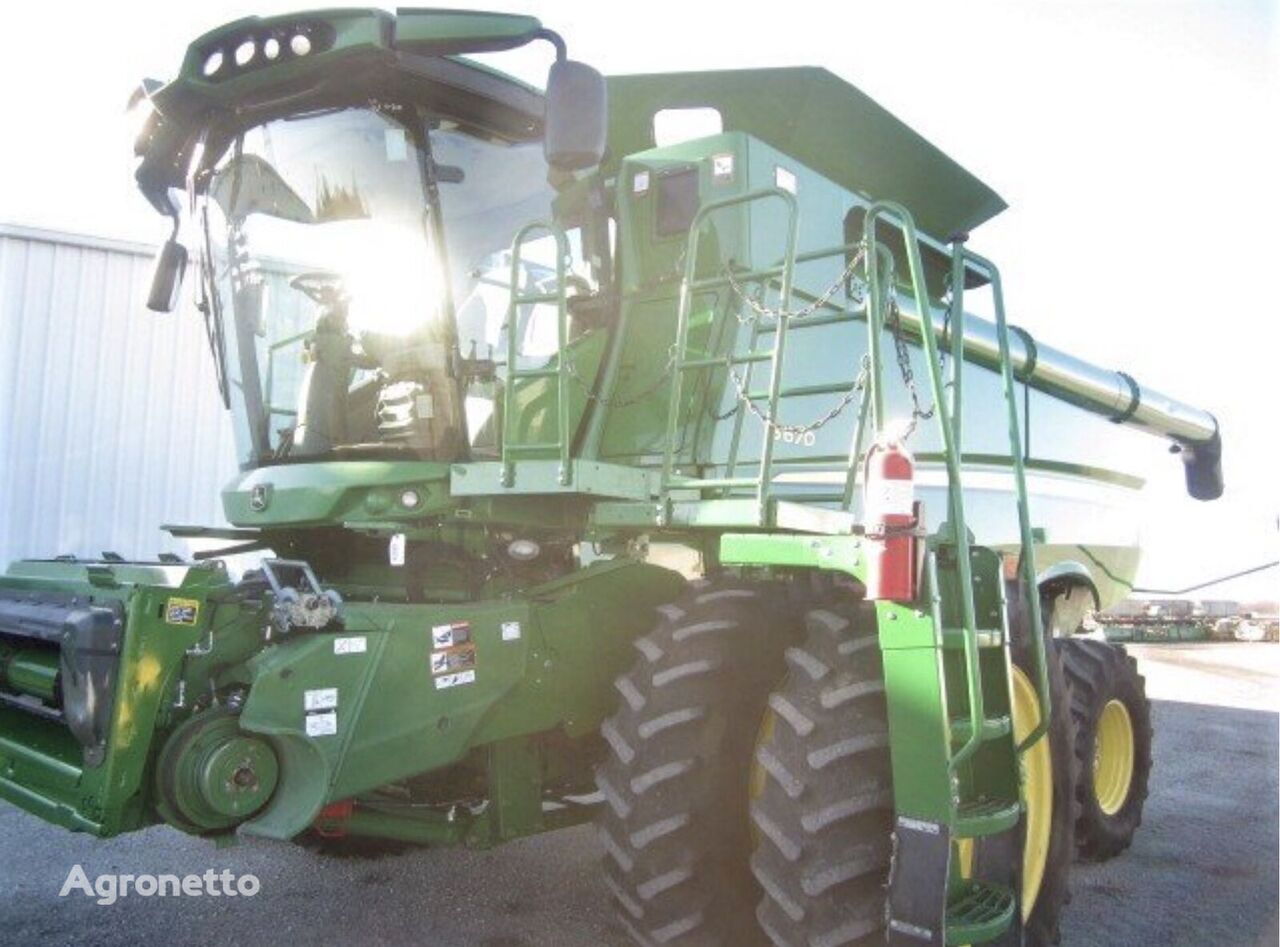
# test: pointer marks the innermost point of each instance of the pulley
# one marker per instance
(212, 775)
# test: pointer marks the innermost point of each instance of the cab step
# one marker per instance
(978, 912)
(983, 817)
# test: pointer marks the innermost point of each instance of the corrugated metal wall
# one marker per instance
(110, 424)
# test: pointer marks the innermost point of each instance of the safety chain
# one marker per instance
(797, 430)
(904, 366)
(572, 371)
(768, 312)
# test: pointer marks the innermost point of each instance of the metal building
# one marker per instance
(110, 423)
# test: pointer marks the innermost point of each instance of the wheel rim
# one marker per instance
(1113, 754)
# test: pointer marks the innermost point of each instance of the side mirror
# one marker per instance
(576, 117)
(166, 280)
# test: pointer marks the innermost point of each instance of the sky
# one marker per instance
(1136, 143)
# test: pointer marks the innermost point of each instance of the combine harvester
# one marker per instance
(491, 354)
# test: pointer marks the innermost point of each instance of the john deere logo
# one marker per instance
(260, 497)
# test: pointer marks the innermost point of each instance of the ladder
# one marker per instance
(956, 766)
(512, 449)
(683, 364)
(971, 792)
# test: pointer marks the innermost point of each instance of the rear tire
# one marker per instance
(823, 807)
(674, 824)
(1103, 679)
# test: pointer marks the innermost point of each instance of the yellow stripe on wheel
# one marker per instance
(1037, 789)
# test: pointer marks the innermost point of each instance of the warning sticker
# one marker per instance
(324, 698)
(722, 167)
(889, 498)
(181, 611)
(446, 636)
(510, 631)
(322, 724)
(453, 680)
(455, 659)
(356, 645)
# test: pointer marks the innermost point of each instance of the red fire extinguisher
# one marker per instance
(889, 520)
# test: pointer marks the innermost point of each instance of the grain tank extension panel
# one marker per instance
(822, 122)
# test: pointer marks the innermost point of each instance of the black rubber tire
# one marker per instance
(1043, 927)
(824, 815)
(1100, 672)
(674, 824)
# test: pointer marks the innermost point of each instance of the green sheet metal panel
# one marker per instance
(821, 121)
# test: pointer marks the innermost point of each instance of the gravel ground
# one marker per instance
(1203, 870)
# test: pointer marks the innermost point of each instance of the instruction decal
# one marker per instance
(446, 636)
(453, 680)
(324, 698)
(323, 724)
(510, 631)
(358, 644)
(455, 659)
(181, 611)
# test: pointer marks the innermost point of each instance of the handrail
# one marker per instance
(682, 336)
(942, 414)
(1027, 560)
(956, 319)
(514, 372)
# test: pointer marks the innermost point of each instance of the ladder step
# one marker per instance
(987, 638)
(721, 361)
(803, 391)
(533, 299)
(536, 445)
(520, 373)
(983, 817)
(993, 728)
(978, 912)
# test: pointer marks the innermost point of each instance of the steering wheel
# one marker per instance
(320, 286)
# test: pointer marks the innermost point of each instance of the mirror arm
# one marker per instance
(556, 40)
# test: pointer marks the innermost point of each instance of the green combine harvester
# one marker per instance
(494, 356)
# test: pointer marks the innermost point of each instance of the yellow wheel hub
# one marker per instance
(1113, 754)
(1037, 790)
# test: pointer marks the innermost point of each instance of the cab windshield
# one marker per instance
(353, 258)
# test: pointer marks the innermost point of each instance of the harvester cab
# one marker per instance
(490, 354)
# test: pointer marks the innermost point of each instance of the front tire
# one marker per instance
(674, 823)
(823, 806)
(1112, 744)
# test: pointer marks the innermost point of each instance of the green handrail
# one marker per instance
(942, 414)
(956, 321)
(682, 338)
(514, 373)
(1027, 561)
